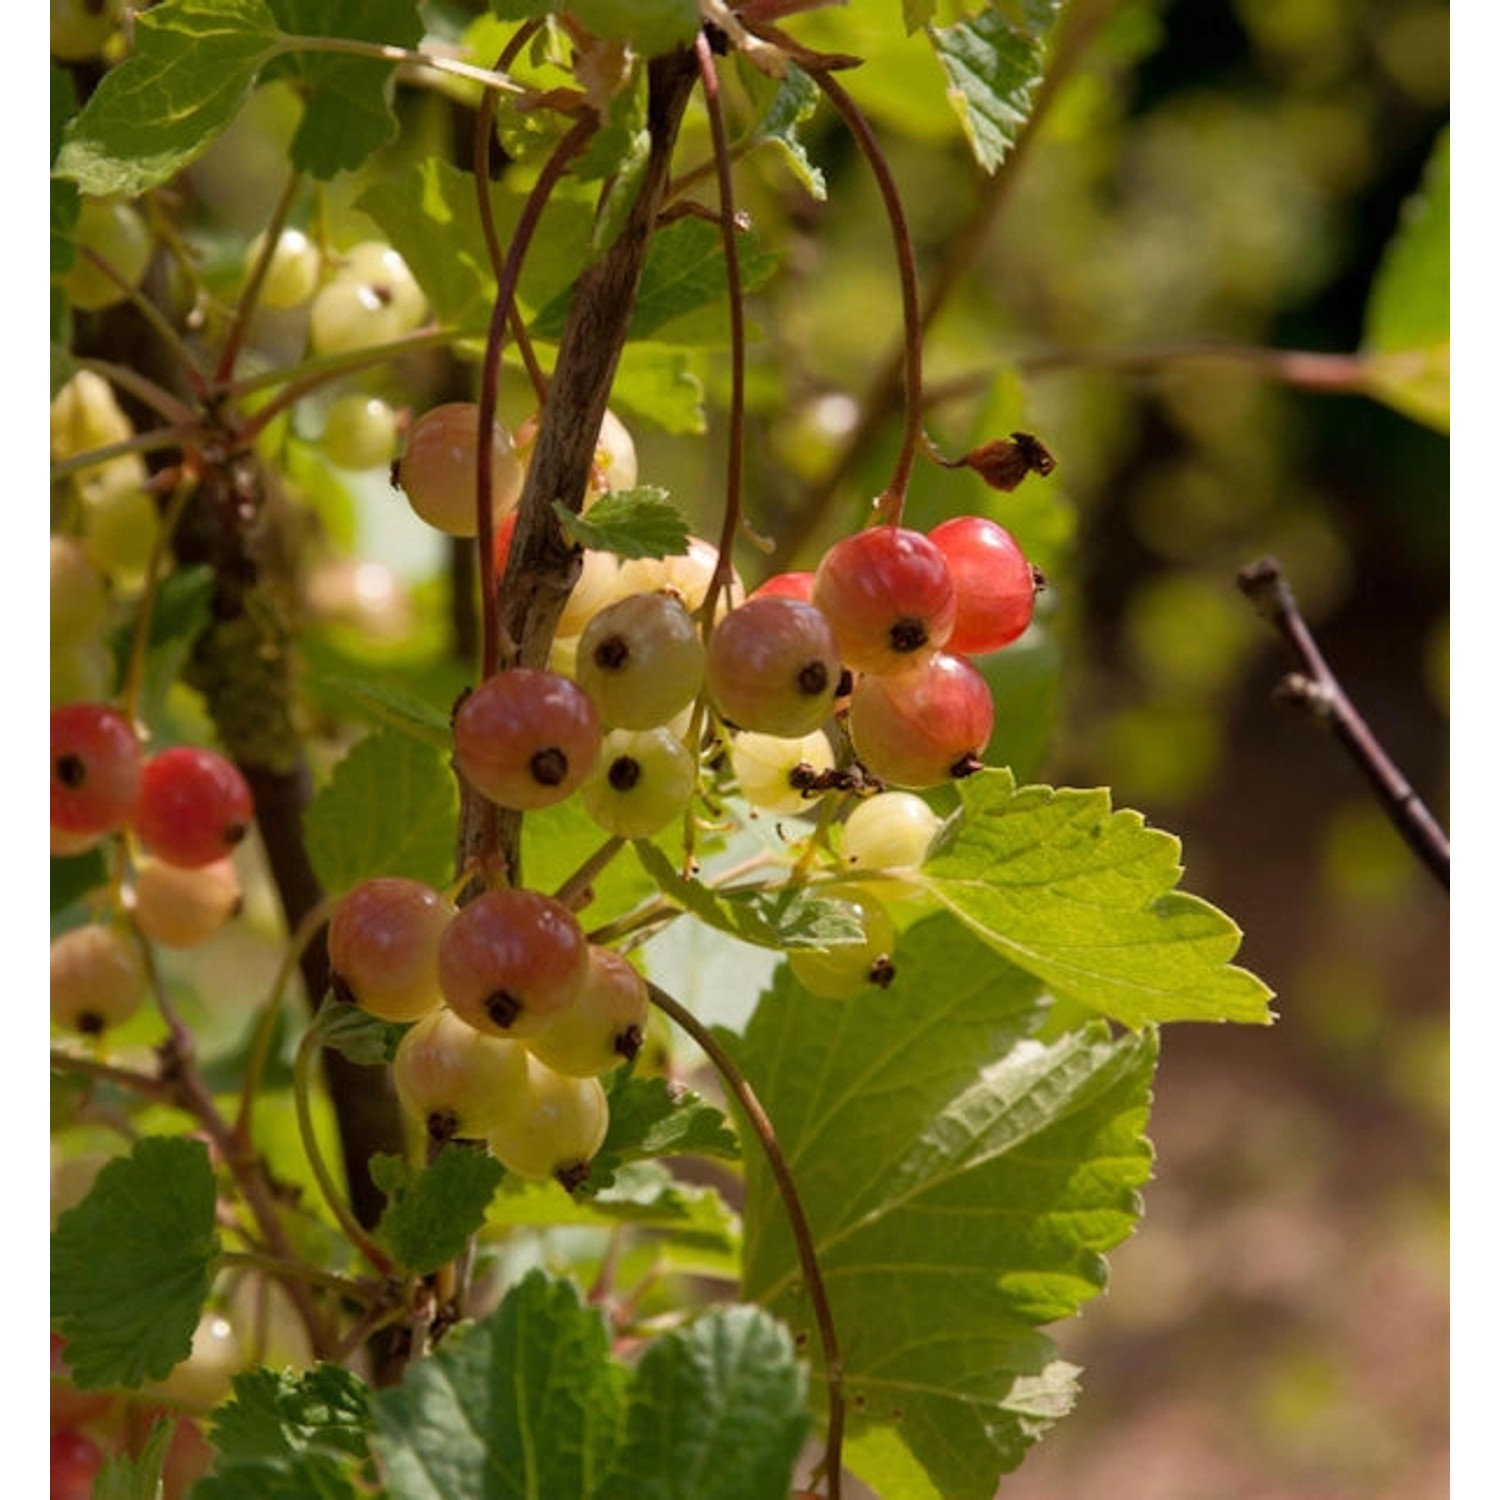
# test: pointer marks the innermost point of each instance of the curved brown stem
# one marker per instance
(1318, 691)
(890, 503)
(786, 1186)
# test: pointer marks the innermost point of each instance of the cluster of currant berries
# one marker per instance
(181, 812)
(871, 651)
(516, 1016)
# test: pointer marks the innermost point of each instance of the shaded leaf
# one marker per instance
(526, 1403)
(716, 1413)
(348, 113)
(388, 809)
(361, 1037)
(650, 26)
(787, 104)
(1085, 898)
(131, 1264)
(684, 275)
(433, 1211)
(651, 1118)
(122, 1477)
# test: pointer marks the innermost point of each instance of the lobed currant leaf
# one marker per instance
(131, 1264)
(641, 522)
(433, 1211)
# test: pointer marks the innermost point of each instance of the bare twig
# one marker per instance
(1318, 691)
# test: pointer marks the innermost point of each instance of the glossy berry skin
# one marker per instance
(996, 588)
(372, 299)
(511, 961)
(439, 472)
(75, 1461)
(556, 1131)
(604, 1027)
(641, 660)
(849, 968)
(455, 1080)
(79, 596)
(194, 806)
(96, 768)
(888, 596)
(768, 768)
(360, 432)
(114, 230)
(526, 738)
(98, 978)
(383, 943)
(644, 779)
(889, 831)
(925, 727)
(773, 667)
(786, 586)
(182, 908)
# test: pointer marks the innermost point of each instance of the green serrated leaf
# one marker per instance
(1406, 338)
(787, 104)
(399, 710)
(359, 1036)
(1085, 898)
(769, 917)
(641, 522)
(428, 211)
(193, 65)
(64, 194)
(651, 1118)
(348, 113)
(662, 385)
(390, 808)
(131, 1264)
(683, 287)
(275, 1416)
(289, 1434)
(139, 1478)
(994, 65)
(617, 155)
(717, 1412)
(525, 1403)
(433, 1211)
(650, 26)
(962, 1182)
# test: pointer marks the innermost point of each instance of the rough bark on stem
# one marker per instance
(543, 565)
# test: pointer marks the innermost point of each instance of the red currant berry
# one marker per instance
(888, 596)
(786, 586)
(996, 587)
(773, 667)
(439, 471)
(924, 727)
(511, 961)
(645, 778)
(96, 768)
(839, 972)
(75, 1462)
(526, 738)
(194, 806)
(382, 946)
